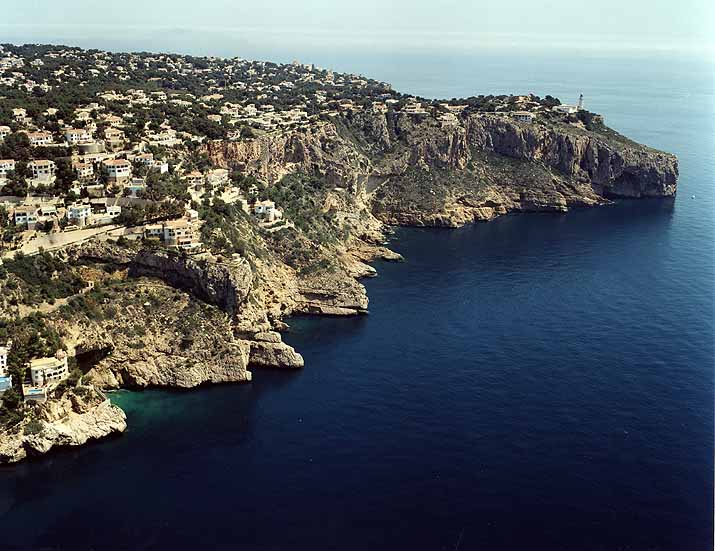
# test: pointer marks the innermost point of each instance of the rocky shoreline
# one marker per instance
(169, 320)
(81, 415)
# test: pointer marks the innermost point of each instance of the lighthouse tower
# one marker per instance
(580, 102)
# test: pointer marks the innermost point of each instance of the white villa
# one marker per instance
(44, 371)
(26, 216)
(76, 135)
(42, 170)
(180, 233)
(118, 170)
(523, 116)
(5, 131)
(40, 138)
(5, 377)
(217, 176)
(84, 170)
(6, 165)
(145, 159)
(79, 213)
(194, 180)
(267, 210)
(154, 230)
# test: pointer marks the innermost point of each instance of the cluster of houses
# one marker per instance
(44, 374)
(11, 75)
(90, 162)
(33, 212)
(264, 117)
(42, 171)
(529, 109)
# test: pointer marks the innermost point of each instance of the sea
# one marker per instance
(542, 381)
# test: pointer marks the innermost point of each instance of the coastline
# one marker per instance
(139, 312)
(139, 399)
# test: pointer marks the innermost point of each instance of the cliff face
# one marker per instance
(224, 284)
(317, 149)
(157, 336)
(145, 333)
(612, 164)
(413, 170)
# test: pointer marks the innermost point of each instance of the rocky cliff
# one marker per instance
(225, 284)
(415, 170)
(80, 415)
(159, 318)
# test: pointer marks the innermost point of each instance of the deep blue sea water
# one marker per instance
(538, 382)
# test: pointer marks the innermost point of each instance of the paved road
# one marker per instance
(56, 241)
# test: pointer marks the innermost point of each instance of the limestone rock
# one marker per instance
(225, 284)
(270, 354)
(80, 415)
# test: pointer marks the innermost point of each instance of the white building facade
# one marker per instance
(42, 170)
(118, 170)
(6, 165)
(44, 371)
(5, 377)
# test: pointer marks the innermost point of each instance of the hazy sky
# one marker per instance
(254, 27)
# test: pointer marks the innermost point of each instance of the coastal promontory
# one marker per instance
(163, 216)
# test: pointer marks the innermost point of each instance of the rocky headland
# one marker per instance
(158, 318)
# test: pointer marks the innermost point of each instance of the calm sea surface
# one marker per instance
(538, 382)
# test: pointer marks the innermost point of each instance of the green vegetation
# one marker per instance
(10, 408)
(227, 229)
(302, 196)
(166, 186)
(45, 278)
(33, 427)
(134, 215)
(32, 337)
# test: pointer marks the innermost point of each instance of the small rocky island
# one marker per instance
(162, 215)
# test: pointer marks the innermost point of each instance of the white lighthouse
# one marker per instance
(580, 102)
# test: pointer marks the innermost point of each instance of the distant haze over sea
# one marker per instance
(310, 45)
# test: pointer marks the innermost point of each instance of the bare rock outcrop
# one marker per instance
(614, 165)
(225, 284)
(81, 414)
(490, 165)
(319, 149)
(267, 350)
(414, 171)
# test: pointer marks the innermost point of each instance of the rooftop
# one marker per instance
(46, 363)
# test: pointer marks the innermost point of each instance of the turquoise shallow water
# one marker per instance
(541, 382)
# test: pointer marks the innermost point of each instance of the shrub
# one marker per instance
(33, 427)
